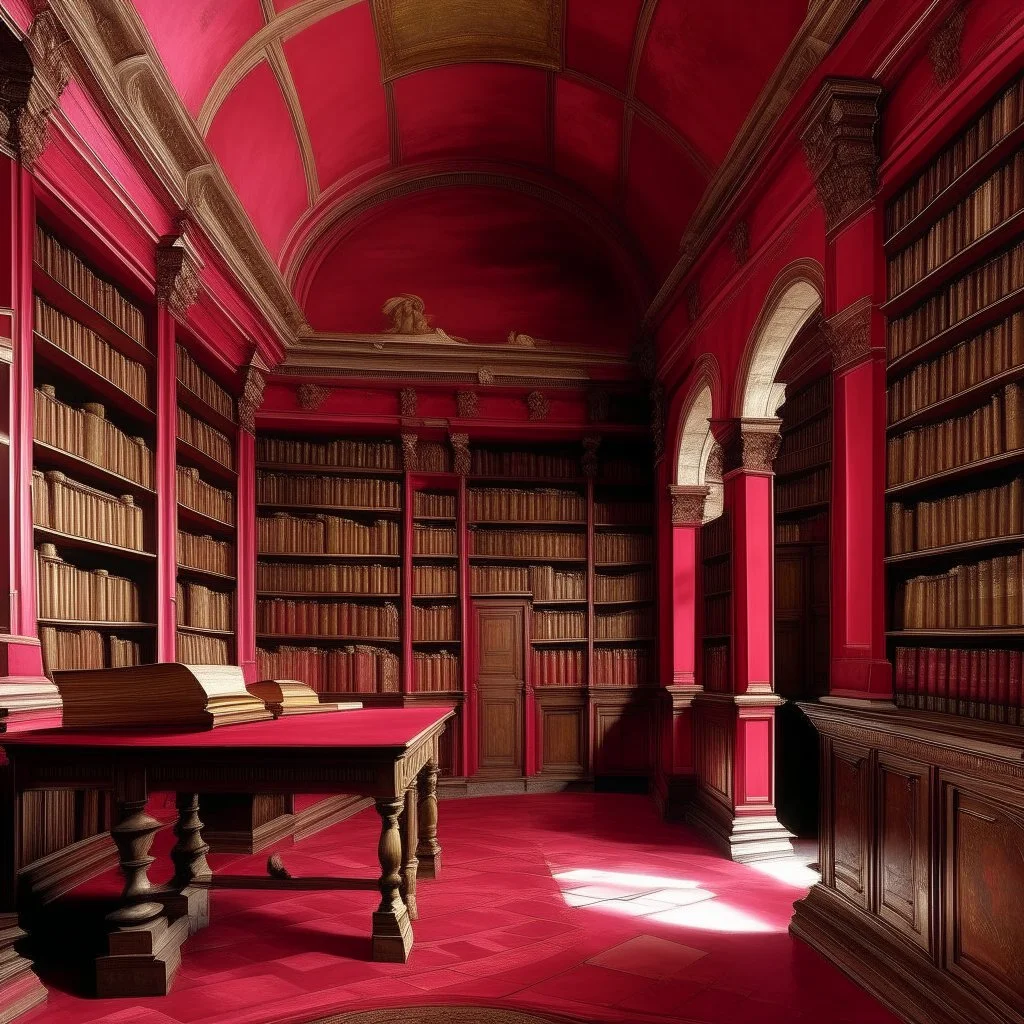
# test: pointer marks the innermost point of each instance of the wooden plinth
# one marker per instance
(141, 960)
(742, 839)
(20, 989)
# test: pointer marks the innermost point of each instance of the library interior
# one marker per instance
(515, 511)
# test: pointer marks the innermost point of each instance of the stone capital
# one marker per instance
(254, 383)
(841, 143)
(748, 445)
(687, 504)
(177, 272)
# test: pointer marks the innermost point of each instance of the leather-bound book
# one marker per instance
(284, 697)
(190, 696)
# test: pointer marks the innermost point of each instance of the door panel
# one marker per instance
(500, 634)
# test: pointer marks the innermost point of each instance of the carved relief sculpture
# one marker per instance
(944, 47)
(407, 315)
(841, 146)
(312, 396)
(407, 401)
(849, 333)
(410, 456)
(468, 403)
(461, 460)
(177, 272)
(521, 340)
(538, 406)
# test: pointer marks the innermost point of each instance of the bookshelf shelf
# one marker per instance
(815, 414)
(542, 642)
(525, 524)
(528, 481)
(188, 516)
(626, 601)
(625, 527)
(551, 602)
(49, 457)
(959, 188)
(911, 558)
(56, 295)
(622, 565)
(961, 634)
(505, 593)
(988, 245)
(96, 624)
(434, 519)
(192, 456)
(54, 358)
(45, 534)
(449, 642)
(950, 477)
(196, 405)
(444, 598)
(434, 558)
(322, 638)
(342, 510)
(317, 470)
(202, 631)
(800, 510)
(623, 639)
(207, 575)
(529, 559)
(325, 595)
(324, 556)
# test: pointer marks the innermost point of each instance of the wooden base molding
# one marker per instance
(741, 838)
(142, 960)
(674, 795)
(47, 878)
(249, 824)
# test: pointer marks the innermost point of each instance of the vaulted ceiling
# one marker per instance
(523, 165)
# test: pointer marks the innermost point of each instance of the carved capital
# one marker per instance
(849, 334)
(739, 242)
(461, 461)
(177, 272)
(485, 375)
(687, 504)
(841, 146)
(407, 401)
(538, 406)
(749, 445)
(591, 444)
(410, 455)
(944, 47)
(253, 385)
(468, 403)
(312, 396)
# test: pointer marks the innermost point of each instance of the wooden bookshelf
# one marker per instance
(716, 590)
(956, 422)
(93, 496)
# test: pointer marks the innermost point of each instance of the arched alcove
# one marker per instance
(696, 445)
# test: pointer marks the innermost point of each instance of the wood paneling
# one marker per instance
(623, 737)
(850, 793)
(563, 739)
(500, 635)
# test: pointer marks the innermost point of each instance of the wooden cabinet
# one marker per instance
(500, 642)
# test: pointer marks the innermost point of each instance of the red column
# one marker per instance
(27, 696)
(735, 731)
(166, 485)
(676, 779)
(245, 595)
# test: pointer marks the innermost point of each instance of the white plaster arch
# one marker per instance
(695, 441)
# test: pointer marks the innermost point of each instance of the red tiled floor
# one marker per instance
(636, 949)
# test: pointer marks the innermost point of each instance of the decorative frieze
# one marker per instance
(849, 334)
(407, 401)
(842, 148)
(538, 406)
(687, 504)
(468, 404)
(312, 396)
(485, 375)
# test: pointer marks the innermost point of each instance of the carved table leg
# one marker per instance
(428, 850)
(189, 857)
(410, 839)
(392, 931)
(143, 948)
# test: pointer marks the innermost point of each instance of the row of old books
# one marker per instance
(623, 547)
(718, 614)
(622, 666)
(805, 435)
(280, 533)
(433, 540)
(716, 668)
(975, 682)
(197, 649)
(63, 504)
(87, 433)
(197, 494)
(203, 552)
(622, 513)
(995, 428)
(957, 518)
(548, 584)
(203, 608)
(566, 666)
(64, 591)
(318, 489)
(987, 355)
(558, 625)
(200, 383)
(995, 122)
(810, 401)
(631, 586)
(798, 460)
(327, 579)
(717, 577)
(716, 537)
(356, 668)
(207, 439)
(984, 594)
(327, 618)
(629, 624)
(966, 295)
(812, 530)
(435, 672)
(65, 267)
(434, 581)
(528, 543)
(522, 465)
(96, 352)
(619, 470)
(513, 503)
(499, 579)
(352, 454)
(65, 649)
(435, 622)
(440, 505)
(994, 201)
(812, 489)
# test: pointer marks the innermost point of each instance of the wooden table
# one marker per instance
(389, 754)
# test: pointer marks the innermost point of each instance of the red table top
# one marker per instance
(350, 730)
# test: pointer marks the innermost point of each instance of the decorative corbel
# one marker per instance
(461, 459)
(849, 334)
(177, 271)
(410, 455)
(254, 383)
(312, 396)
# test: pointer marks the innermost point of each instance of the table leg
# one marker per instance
(392, 931)
(190, 866)
(429, 850)
(133, 836)
(410, 840)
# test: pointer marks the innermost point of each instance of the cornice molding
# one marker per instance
(842, 146)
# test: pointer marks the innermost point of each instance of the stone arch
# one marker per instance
(695, 444)
(792, 300)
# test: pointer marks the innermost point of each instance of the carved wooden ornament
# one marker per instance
(312, 396)
(461, 460)
(408, 401)
(251, 399)
(177, 273)
(410, 456)
(538, 406)
(468, 403)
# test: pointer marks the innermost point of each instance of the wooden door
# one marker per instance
(500, 638)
